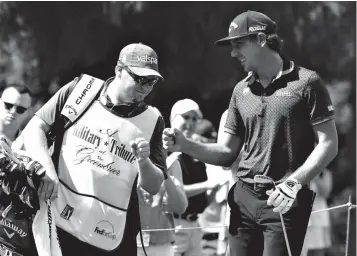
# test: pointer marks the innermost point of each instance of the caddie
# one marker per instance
(106, 141)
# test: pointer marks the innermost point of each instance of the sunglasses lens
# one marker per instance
(8, 106)
(139, 79)
(147, 81)
(20, 110)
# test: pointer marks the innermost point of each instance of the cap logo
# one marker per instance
(232, 26)
(145, 58)
(257, 28)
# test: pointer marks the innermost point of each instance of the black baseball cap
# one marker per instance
(248, 23)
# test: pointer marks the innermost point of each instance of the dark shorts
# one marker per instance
(70, 245)
(256, 230)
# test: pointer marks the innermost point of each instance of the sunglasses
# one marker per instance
(142, 80)
(18, 109)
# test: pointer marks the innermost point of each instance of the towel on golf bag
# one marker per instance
(45, 231)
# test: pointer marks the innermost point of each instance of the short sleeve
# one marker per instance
(157, 151)
(51, 110)
(318, 101)
(234, 123)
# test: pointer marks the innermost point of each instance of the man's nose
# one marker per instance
(234, 53)
(191, 123)
(12, 110)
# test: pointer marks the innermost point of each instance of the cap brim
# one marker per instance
(145, 72)
(226, 40)
(181, 112)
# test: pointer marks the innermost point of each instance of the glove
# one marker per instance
(284, 195)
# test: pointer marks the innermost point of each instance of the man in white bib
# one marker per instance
(98, 160)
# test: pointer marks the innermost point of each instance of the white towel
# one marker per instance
(45, 232)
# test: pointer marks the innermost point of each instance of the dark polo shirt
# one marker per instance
(276, 122)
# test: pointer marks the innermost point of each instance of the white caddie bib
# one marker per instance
(97, 171)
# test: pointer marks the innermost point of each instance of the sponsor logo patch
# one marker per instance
(145, 58)
(246, 90)
(71, 109)
(290, 183)
(12, 226)
(67, 212)
(105, 228)
(85, 90)
(257, 28)
(283, 94)
(9, 235)
(232, 26)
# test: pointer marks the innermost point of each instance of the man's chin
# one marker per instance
(9, 122)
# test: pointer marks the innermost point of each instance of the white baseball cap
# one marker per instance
(141, 59)
(184, 106)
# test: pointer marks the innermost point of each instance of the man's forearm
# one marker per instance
(195, 189)
(211, 153)
(151, 177)
(319, 158)
(176, 196)
(36, 146)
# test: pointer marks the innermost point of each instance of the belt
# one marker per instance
(5, 251)
(189, 217)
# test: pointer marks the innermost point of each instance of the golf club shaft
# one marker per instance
(285, 234)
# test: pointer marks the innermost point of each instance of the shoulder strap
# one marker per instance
(82, 96)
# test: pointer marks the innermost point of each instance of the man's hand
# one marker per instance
(140, 148)
(212, 185)
(172, 139)
(284, 195)
(48, 188)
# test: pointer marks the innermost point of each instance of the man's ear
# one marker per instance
(262, 39)
(117, 70)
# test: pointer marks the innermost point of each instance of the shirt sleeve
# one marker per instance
(317, 98)
(234, 123)
(51, 110)
(157, 151)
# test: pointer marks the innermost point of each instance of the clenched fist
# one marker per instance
(140, 148)
(173, 139)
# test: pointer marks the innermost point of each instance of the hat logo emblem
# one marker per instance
(232, 26)
(257, 28)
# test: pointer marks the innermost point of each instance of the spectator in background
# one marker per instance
(205, 131)
(214, 214)
(15, 101)
(184, 116)
(156, 212)
(318, 234)
(223, 234)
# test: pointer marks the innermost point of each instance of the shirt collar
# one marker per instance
(288, 67)
(124, 110)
